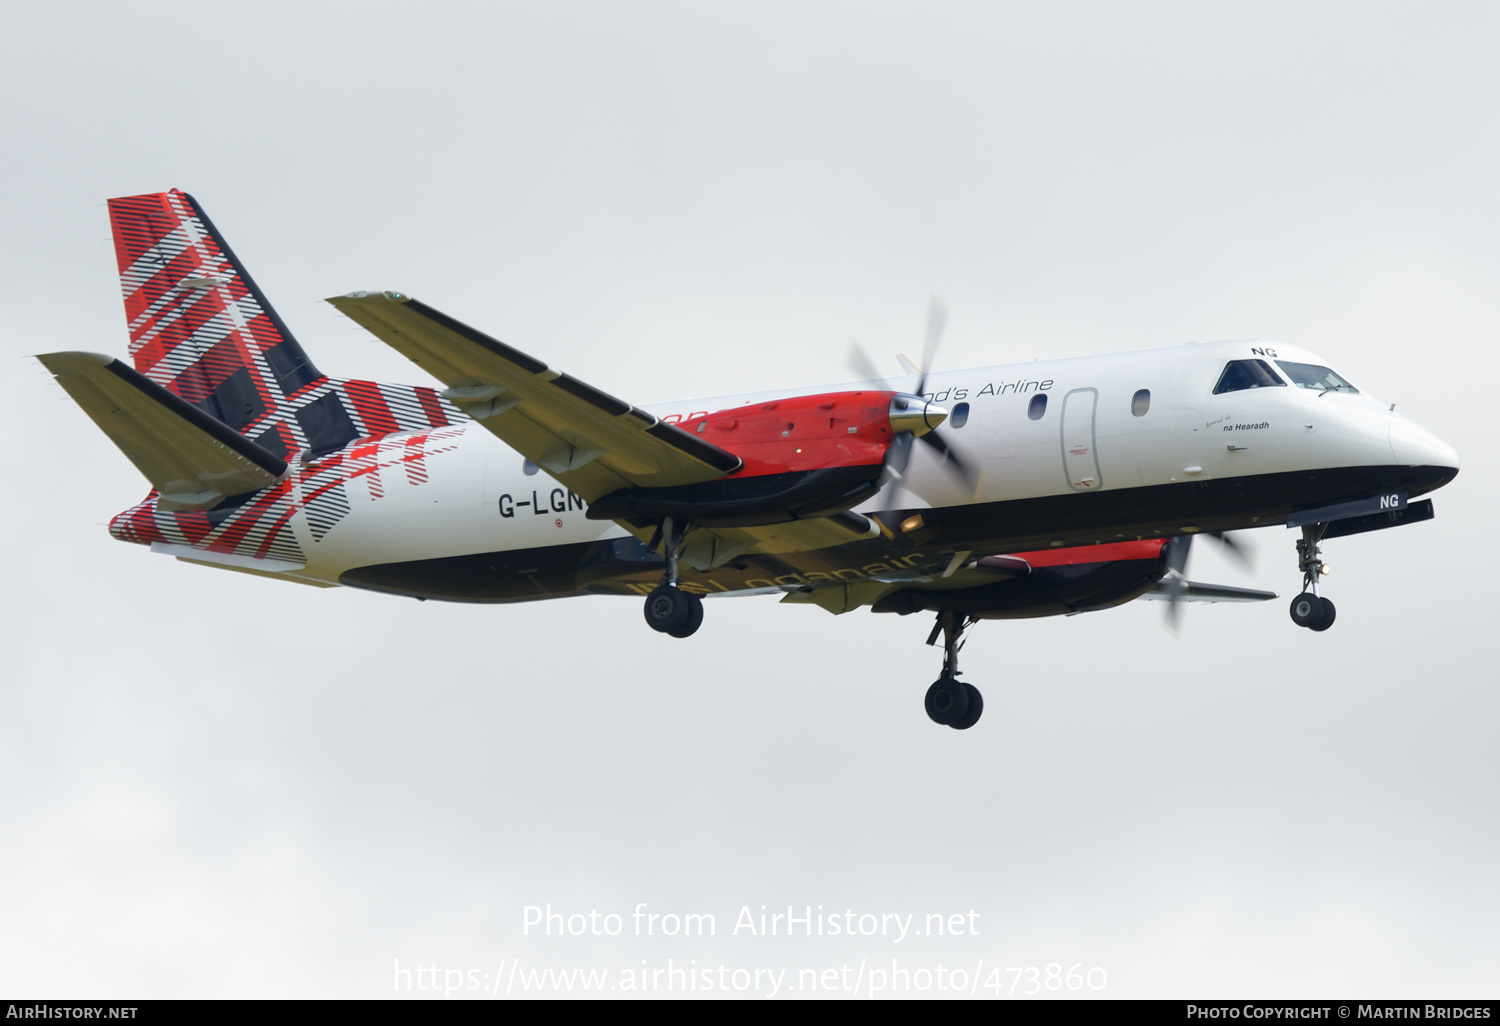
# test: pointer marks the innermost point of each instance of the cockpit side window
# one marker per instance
(1310, 375)
(1242, 374)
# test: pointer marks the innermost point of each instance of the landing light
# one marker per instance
(910, 524)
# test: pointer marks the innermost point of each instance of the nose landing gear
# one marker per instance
(1310, 609)
(669, 609)
(950, 702)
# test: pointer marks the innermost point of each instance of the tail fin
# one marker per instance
(201, 329)
(244, 398)
(199, 326)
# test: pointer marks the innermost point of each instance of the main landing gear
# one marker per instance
(1310, 609)
(669, 609)
(950, 701)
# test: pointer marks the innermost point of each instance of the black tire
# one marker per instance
(1328, 615)
(947, 701)
(1307, 610)
(694, 620)
(667, 609)
(976, 709)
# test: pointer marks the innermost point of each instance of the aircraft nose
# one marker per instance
(1414, 446)
(915, 414)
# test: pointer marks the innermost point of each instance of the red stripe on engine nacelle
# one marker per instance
(1111, 552)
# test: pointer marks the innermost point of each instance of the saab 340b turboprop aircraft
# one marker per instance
(1051, 487)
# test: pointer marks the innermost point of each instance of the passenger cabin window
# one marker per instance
(1310, 375)
(1038, 407)
(1243, 374)
(960, 415)
(1140, 403)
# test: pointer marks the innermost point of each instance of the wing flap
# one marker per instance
(706, 548)
(587, 439)
(192, 459)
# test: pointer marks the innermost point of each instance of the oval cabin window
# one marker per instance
(1037, 408)
(960, 415)
(1141, 402)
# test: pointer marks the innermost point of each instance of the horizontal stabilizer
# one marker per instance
(193, 460)
(1192, 591)
(274, 569)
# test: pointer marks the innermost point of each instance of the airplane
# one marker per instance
(1046, 488)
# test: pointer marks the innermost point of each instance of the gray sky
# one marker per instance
(215, 785)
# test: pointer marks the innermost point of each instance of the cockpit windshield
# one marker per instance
(1310, 375)
(1241, 374)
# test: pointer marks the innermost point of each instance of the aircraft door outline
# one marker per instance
(1079, 452)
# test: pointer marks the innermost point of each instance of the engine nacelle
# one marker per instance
(1054, 582)
(803, 457)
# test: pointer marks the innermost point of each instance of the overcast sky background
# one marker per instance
(220, 786)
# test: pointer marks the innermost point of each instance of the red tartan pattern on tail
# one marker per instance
(200, 328)
(261, 526)
(193, 319)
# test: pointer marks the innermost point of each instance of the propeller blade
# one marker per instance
(897, 455)
(937, 317)
(1241, 552)
(1177, 550)
(860, 363)
(950, 459)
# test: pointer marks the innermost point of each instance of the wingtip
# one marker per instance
(391, 295)
(61, 363)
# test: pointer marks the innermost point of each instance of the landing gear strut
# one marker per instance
(669, 609)
(950, 701)
(1310, 609)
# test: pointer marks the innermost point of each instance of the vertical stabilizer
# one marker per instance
(202, 330)
(199, 326)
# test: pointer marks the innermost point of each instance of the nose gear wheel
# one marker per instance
(1310, 609)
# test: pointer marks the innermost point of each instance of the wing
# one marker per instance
(707, 547)
(1193, 591)
(591, 442)
(961, 573)
(192, 459)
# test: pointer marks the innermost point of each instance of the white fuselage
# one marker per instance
(462, 491)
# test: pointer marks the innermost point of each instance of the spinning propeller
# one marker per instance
(913, 417)
(1177, 551)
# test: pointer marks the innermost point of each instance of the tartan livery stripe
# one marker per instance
(202, 329)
